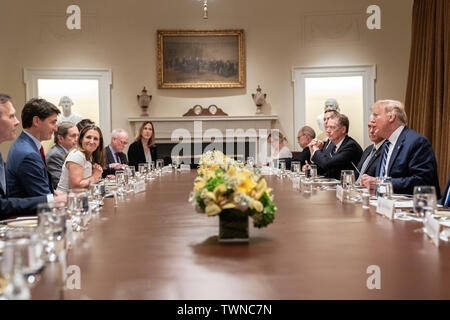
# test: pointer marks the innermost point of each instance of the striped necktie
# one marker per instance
(386, 145)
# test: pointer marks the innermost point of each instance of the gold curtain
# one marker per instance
(427, 99)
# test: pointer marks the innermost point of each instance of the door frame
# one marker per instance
(367, 72)
(104, 77)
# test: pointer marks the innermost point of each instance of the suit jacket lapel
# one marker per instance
(397, 148)
(31, 142)
(109, 155)
(374, 157)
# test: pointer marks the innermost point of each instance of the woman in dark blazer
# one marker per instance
(143, 149)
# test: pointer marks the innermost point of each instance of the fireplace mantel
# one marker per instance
(165, 126)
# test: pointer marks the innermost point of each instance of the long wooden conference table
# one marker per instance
(155, 246)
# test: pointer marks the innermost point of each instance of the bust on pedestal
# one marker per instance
(67, 115)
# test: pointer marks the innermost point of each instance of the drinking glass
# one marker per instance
(77, 209)
(306, 185)
(282, 167)
(308, 171)
(347, 183)
(151, 170)
(52, 228)
(295, 168)
(347, 179)
(97, 195)
(424, 200)
(23, 250)
(159, 166)
(175, 163)
(383, 187)
(313, 171)
(142, 169)
(131, 171)
(120, 181)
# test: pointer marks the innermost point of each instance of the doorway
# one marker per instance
(352, 86)
(89, 90)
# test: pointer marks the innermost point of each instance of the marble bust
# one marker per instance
(67, 115)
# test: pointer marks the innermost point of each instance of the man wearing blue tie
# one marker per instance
(406, 156)
(13, 206)
(371, 156)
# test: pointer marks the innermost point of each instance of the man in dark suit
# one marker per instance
(445, 200)
(371, 156)
(345, 153)
(12, 206)
(26, 167)
(65, 139)
(305, 135)
(115, 158)
(407, 156)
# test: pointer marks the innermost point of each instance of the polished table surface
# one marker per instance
(155, 246)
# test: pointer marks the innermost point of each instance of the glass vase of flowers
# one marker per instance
(226, 188)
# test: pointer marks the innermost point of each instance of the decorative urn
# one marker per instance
(144, 101)
(259, 98)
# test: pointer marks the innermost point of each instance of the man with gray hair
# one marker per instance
(406, 156)
(344, 153)
(305, 135)
(115, 157)
(65, 138)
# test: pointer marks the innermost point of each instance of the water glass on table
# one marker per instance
(78, 209)
(282, 168)
(383, 187)
(21, 263)
(142, 169)
(425, 200)
(347, 183)
(159, 166)
(295, 168)
(52, 229)
(120, 181)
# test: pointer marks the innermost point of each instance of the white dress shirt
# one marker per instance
(393, 140)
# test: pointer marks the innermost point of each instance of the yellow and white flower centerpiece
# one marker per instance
(226, 188)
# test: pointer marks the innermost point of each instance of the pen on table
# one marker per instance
(355, 167)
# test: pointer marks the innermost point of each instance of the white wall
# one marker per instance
(279, 35)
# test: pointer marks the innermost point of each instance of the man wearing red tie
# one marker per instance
(26, 167)
(115, 158)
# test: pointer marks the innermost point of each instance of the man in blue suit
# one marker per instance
(445, 200)
(26, 167)
(407, 156)
(12, 206)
